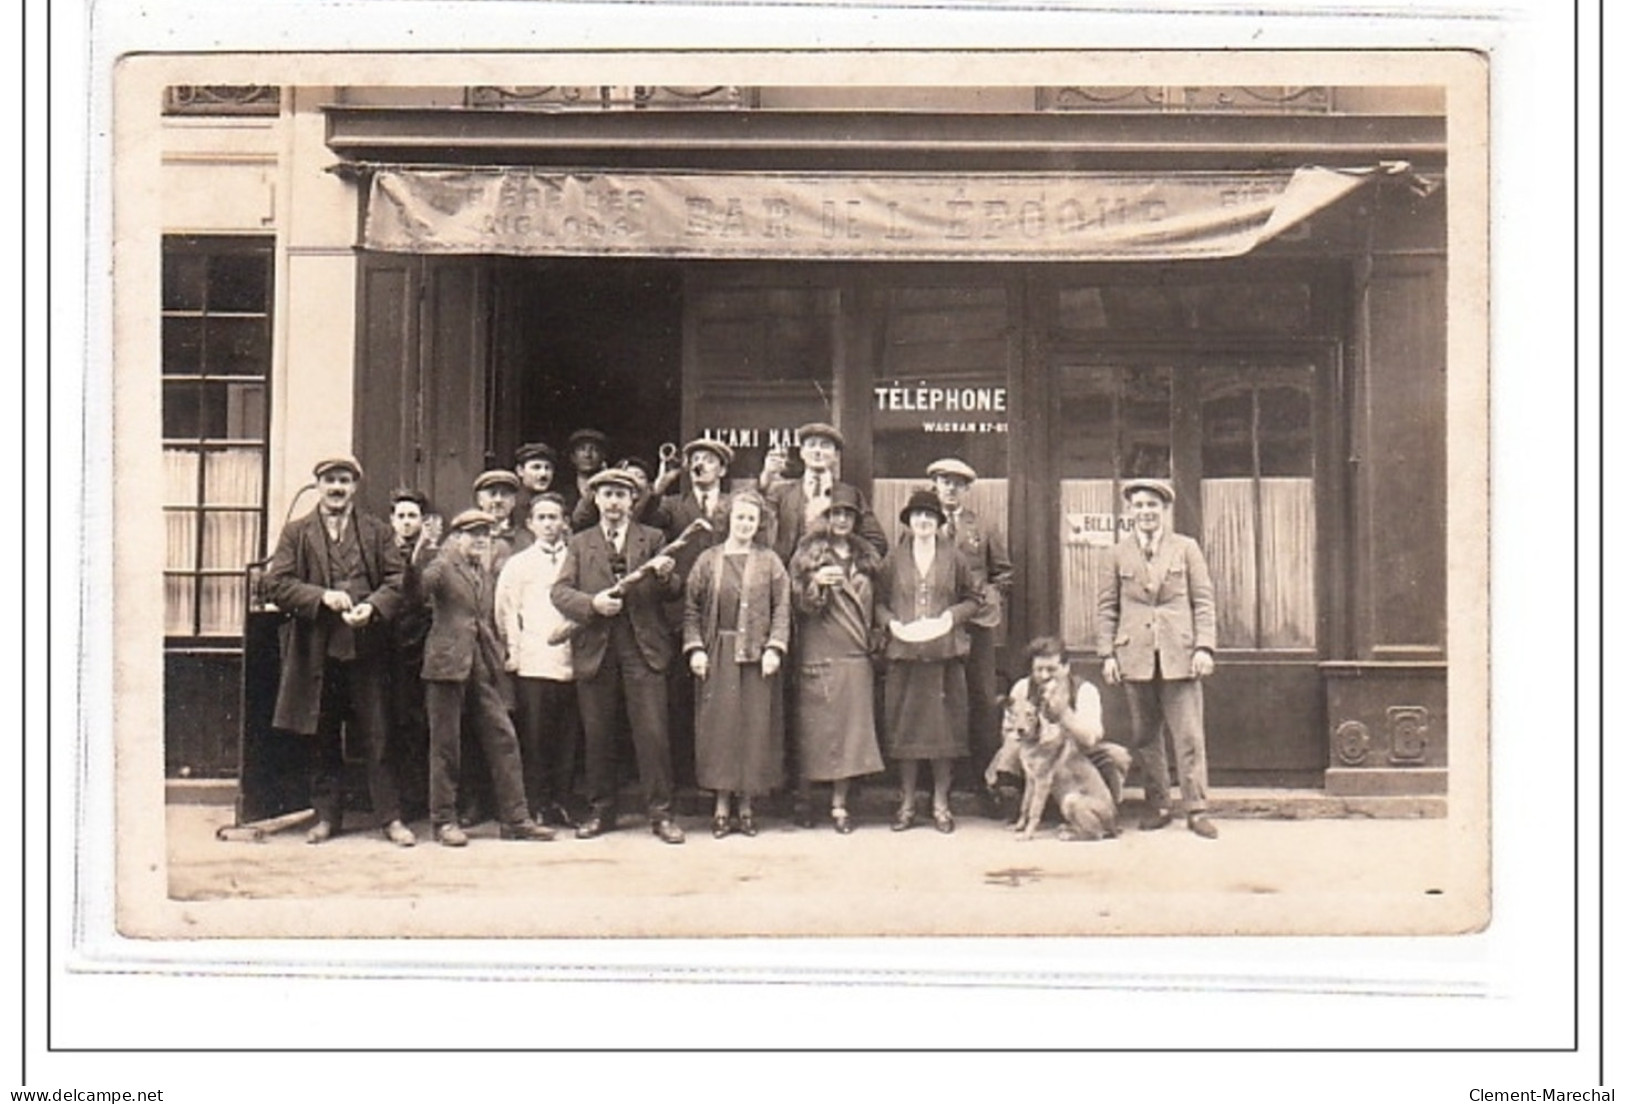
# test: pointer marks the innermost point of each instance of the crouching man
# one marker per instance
(462, 674)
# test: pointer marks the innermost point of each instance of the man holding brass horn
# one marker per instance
(614, 582)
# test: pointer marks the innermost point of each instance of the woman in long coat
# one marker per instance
(736, 633)
(832, 575)
(925, 593)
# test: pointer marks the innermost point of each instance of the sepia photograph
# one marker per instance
(674, 495)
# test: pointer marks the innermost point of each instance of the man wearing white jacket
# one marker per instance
(545, 682)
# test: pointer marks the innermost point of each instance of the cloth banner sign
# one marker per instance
(845, 216)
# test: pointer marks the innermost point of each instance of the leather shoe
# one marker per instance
(747, 824)
(1158, 818)
(903, 821)
(668, 831)
(1202, 826)
(944, 821)
(450, 835)
(399, 834)
(526, 830)
(320, 832)
(594, 826)
(843, 821)
(558, 816)
(720, 827)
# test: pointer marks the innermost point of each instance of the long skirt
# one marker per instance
(926, 710)
(738, 725)
(835, 719)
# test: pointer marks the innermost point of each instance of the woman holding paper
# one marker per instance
(925, 592)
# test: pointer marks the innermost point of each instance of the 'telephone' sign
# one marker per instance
(933, 408)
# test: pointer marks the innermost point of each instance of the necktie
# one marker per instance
(949, 529)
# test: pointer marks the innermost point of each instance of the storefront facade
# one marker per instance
(1249, 303)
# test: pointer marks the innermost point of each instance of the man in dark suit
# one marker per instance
(535, 464)
(621, 652)
(463, 665)
(982, 544)
(1157, 635)
(336, 573)
(793, 503)
(417, 538)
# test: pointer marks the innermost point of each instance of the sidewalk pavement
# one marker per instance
(1280, 865)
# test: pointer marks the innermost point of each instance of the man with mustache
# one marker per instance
(336, 573)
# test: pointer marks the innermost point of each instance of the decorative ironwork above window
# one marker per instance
(1282, 100)
(222, 99)
(606, 97)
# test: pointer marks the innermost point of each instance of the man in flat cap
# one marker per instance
(794, 503)
(417, 538)
(495, 492)
(463, 664)
(588, 452)
(621, 652)
(336, 573)
(535, 464)
(1157, 636)
(982, 544)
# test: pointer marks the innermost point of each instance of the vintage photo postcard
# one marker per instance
(678, 494)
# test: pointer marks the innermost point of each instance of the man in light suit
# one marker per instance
(982, 545)
(1157, 636)
(337, 575)
(621, 652)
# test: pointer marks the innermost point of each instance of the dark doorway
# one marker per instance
(587, 343)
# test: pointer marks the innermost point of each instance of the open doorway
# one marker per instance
(584, 343)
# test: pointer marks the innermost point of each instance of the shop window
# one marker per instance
(762, 363)
(1252, 472)
(941, 390)
(216, 352)
(1238, 306)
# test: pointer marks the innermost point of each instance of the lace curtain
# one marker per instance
(210, 605)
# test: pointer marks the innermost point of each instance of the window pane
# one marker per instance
(180, 476)
(183, 346)
(1085, 428)
(185, 280)
(183, 404)
(230, 540)
(233, 477)
(239, 282)
(180, 540)
(1147, 409)
(238, 346)
(221, 606)
(1285, 431)
(1229, 541)
(1086, 506)
(179, 599)
(1227, 431)
(1287, 563)
(245, 411)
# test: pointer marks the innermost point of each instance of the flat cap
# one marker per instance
(618, 477)
(950, 466)
(1159, 487)
(536, 450)
(498, 477)
(581, 436)
(333, 463)
(821, 429)
(472, 519)
(708, 444)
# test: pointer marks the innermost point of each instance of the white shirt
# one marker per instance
(526, 614)
(1085, 705)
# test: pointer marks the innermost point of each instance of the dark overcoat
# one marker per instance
(294, 583)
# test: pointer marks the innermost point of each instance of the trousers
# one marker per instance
(1176, 704)
(353, 695)
(625, 678)
(476, 700)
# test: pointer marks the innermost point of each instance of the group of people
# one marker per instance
(759, 620)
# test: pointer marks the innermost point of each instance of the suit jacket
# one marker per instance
(786, 522)
(984, 549)
(587, 570)
(461, 595)
(294, 583)
(901, 594)
(1163, 607)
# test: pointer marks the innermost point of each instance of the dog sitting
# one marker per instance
(1054, 735)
